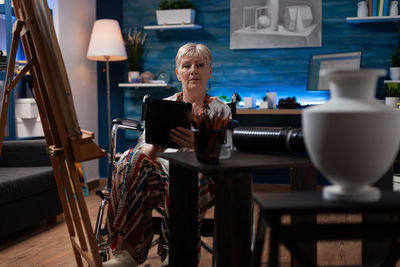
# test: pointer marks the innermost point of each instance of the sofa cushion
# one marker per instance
(18, 183)
(28, 211)
(24, 153)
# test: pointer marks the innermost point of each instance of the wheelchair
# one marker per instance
(104, 193)
(207, 226)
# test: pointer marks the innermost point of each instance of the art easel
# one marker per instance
(66, 142)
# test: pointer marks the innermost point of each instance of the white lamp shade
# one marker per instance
(106, 42)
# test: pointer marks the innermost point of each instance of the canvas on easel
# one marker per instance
(67, 143)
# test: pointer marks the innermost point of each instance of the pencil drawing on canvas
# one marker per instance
(275, 23)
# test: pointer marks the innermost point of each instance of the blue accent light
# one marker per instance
(303, 96)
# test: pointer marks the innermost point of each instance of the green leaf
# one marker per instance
(134, 44)
(174, 4)
(392, 90)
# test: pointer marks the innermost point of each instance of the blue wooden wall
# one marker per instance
(106, 9)
(252, 72)
(249, 72)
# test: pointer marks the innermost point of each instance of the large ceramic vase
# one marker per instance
(352, 139)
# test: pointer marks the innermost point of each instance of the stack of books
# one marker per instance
(3, 60)
(378, 7)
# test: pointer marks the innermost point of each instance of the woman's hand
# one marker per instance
(151, 150)
(183, 137)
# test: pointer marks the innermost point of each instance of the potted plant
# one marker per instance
(135, 47)
(173, 12)
(288, 103)
(392, 91)
(395, 69)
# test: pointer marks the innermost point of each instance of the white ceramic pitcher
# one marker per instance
(362, 10)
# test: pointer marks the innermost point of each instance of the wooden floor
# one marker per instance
(47, 244)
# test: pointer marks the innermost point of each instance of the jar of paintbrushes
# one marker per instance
(209, 134)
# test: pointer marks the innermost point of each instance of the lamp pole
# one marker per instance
(109, 168)
(108, 101)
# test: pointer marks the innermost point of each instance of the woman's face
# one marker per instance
(194, 73)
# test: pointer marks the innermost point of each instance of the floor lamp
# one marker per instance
(106, 44)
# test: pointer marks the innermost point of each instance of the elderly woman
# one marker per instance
(140, 181)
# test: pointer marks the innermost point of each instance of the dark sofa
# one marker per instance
(28, 192)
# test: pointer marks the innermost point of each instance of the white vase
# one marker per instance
(392, 101)
(352, 139)
(249, 102)
(271, 100)
(263, 105)
(394, 9)
(362, 10)
(134, 77)
(394, 73)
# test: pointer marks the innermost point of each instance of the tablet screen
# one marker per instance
(163, 115)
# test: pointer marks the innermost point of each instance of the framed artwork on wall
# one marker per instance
(275, 24)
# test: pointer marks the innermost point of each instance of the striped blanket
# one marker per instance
(139, 185)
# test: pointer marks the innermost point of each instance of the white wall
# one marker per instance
(73, 22)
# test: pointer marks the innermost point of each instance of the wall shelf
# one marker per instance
(137, 85)
(242, 111)
(391, 81)
(173, 27)
(372, 19)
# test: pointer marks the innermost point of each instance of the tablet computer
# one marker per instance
(163, 115)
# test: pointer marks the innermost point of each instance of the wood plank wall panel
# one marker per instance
(251, 72)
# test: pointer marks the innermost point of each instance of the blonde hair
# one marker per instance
(192, 49)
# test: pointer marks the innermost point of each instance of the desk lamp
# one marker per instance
(106, 44)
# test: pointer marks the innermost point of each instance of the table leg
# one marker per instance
(183, 216)
(259, 242)
(233, 202)
(373, 251)
(304, 179)
(274, 225)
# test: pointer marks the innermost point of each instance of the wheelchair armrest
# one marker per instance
(131, 124)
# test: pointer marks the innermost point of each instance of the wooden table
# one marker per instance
(233, 203)
(274, 205)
